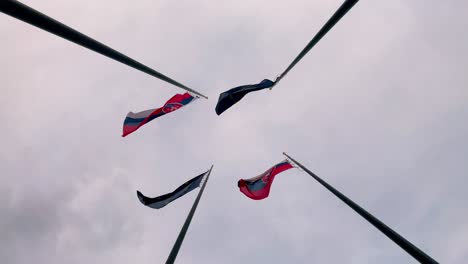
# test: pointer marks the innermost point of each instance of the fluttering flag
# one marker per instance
(134, 121)
(163, 200)
(230, 97)
(258, 188)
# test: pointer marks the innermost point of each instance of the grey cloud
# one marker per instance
(377, 109)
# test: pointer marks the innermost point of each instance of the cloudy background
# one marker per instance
(379, 109)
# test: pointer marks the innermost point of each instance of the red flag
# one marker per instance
(134, 121)
(258, 188)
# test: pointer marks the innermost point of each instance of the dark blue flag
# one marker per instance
(230, 97)
(163, 200)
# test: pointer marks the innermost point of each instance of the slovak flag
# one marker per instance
(258, 188)
(134, 121)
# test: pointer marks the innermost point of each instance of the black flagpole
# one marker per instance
(344, 8)
(394, 236)
(175, 249)
(27, 14)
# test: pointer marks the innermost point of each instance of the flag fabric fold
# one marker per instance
(258, 188)
(163, 200)
(230, 97)
(133, 121)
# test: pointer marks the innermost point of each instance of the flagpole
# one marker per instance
(394, 236)
(344, 8)
(180, 238)
(29, 15)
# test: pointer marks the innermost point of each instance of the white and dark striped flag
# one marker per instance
(161, 201)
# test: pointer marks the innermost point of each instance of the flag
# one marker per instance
(258, 188)
(163, 200)
(230, 97)
(134, 121)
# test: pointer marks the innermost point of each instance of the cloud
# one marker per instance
(377, 109)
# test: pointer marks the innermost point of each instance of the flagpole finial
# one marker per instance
(278, 78)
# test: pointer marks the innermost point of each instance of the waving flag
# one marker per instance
(230, 97)
(258, 188)
(163, 200)
(134, 121)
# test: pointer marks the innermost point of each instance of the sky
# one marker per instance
(378, 109)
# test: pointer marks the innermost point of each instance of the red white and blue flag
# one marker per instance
(134, 121)
(258, 188)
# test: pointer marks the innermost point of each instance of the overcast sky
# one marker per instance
(378, 109)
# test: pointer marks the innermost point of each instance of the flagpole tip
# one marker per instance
(197, 94)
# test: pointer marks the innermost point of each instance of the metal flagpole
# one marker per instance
(394, 236)
(344, 8)
(175, 249)
(27, 14)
